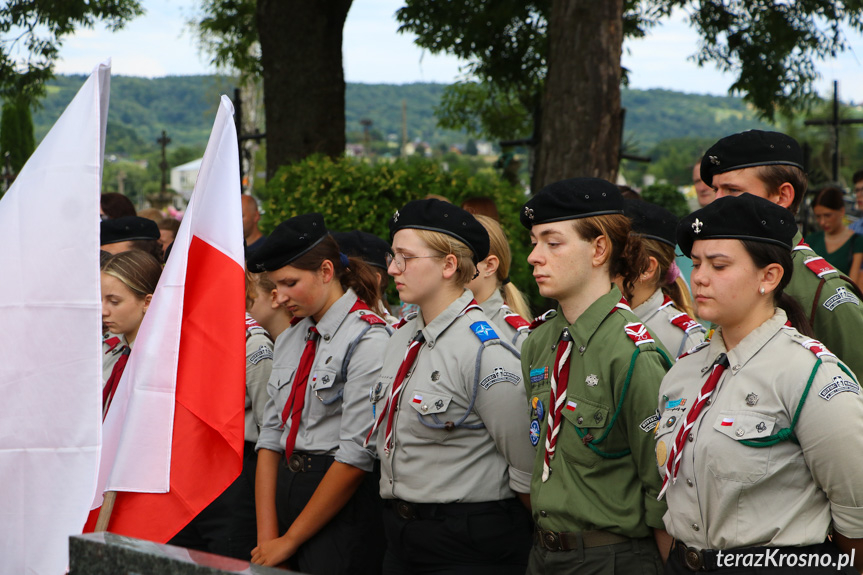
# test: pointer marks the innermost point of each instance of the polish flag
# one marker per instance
(173, 437)
(726, 421)
(571, 405)
(418, 398)
(50, 341)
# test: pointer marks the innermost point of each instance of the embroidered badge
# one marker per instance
(439, 404)
(675, 403)
(760, 427)
(539, 374)
(837, 386)
(649, 424)
(686, 323)
(841, 296)
(727, 422)
(592, 380)
(534, 432)
(571, 405)
(263, 353)
(540, 409)
(326, 379)
(638, 333)
(499, 374)
(483, 331)
(417, 398)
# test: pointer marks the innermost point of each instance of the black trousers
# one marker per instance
(351, 543)
(810, 560)
(491, 538)
(227, 526)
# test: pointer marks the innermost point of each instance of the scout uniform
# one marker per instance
(594, 502)
(454, 453)
(343, 360)
(829, 299)
(259, 366)
(511, 327)
(764, 463)
(115, 355)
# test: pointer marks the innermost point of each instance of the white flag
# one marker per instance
(50, 338)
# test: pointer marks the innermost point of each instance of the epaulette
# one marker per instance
(514, 320)
(622, 304)
(686, 323)
(813, 345)
(638, 333)
(400, 323)
(366, 314)
(253, 327)
(541, 319)
(694, 349)
(483, 331)
(819, 266)
(666, 301)
(111, 342)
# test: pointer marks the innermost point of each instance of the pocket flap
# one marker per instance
(744, 425)
(322, 379)
(426, 402)
(282, 376)
(584, 413)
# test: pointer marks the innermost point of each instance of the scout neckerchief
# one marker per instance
(559, 381)
(395, 391)
(116, 373)
(297, 398)
(674, 458)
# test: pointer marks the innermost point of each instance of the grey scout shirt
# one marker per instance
(729, 495)
(336, 416)
(488, 458)
(658, 317)
(493, 308)
(259, 366)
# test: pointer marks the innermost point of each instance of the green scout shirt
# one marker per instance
(838, 320)
(587, 491)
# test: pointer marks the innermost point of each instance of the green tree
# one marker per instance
(16, 132)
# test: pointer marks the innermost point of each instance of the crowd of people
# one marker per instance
(648, 423)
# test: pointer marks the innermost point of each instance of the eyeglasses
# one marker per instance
(401, 260)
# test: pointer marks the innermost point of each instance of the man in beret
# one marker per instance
(130, 233)
(770, 165)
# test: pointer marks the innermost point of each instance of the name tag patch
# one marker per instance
(263, 353)
(649, 424)
(499, 374)
(841, 296)
(837, 386)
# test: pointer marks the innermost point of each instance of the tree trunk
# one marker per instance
(580, 130)
(304, 82)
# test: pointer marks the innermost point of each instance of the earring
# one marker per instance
(761, 291)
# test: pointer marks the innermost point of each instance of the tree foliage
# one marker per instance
(16, 133)
(32, 32)
(227, 32)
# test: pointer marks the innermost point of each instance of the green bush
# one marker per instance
(668, 197)
(353, 194)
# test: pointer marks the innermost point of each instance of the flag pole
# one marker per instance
(105, 512)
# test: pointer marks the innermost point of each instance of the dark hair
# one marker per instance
(858, 175)
(483, 206)
(116, 205)
(764, 254)
(775, 176)
(627, 257)
(170, 224)
(358, 276)
(151, 247)
(830, 197)
(628, 193)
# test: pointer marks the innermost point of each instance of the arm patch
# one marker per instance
(483, 331)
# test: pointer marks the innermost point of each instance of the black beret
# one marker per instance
(750, 149)
(126, 229)
(744, 217)
(651, 221)
(368, 247)
(446, 218)
(291, 239)
(570, 200)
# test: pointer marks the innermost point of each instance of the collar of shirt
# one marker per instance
(493, 304)
(798, 237)
(650, 307)
(334, 317)
(748, 347)
(439, 324)
(589, 321)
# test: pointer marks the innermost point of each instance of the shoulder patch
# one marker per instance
(686, 323)
(666, 301)
(694, 349)
(111, 342)
(819, 266)
(365, 313)
(838, 385)
(841, 296)
(263, 353)
(499, 374)
(622, 304)
(539, 320)
(638, 333)
(813, 345)
(483, 331)
(516, 321)
(648, 424)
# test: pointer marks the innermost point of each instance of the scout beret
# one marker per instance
(749, 149)
(651, 221)
(570, 200)
(446, 218)
(291, 239)
(126, 229)
(368, 247)
(744, 217)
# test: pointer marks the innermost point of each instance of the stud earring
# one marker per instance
(761, 291)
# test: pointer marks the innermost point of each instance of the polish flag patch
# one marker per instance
(417, 398)
(727, 421)
(571, 405)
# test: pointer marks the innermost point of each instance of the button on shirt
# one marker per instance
(489, 456)
(336, 416)
(730, 495)
(585, 490)
(493, 308)
(658, 321)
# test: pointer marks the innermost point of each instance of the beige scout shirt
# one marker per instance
(259, 366)
(336, 415)
(489, 456)
(658, 319)
(493, 308)
(729, 495)
(111, 353)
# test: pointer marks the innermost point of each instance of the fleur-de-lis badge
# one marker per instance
(697, 225)
(528, 212)
(396, 216)
(713, 160)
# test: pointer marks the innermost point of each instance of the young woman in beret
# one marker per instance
(316, 488)
(592, 373)
(756, 426)
(660, 297)
(450, 427)
(501, 301)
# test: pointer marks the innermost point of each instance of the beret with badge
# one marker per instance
(445, 218)
(744, 217)
(651, 221)
(368, 247)
(127, 229)
(749, 149)
(291, 239)
(570, 200)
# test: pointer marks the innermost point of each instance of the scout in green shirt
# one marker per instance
(592, 375)
(770, 165)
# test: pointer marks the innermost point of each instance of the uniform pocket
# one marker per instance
(431, 413)
(588, 417)
(730, 459)
(324, 386)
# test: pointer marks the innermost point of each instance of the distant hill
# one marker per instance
(185, 107)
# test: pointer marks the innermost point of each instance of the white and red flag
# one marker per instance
(50, 338)
(173, 437)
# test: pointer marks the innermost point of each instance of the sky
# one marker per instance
(161, 44)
